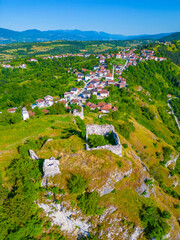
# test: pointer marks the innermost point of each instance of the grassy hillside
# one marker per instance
(114, 196)
(95, 166)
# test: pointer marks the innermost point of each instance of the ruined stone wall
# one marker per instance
(79, 114)
(103, 130)
(99, 129)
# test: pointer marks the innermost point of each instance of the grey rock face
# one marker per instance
(33, 155)
(136, 233)
(67, 220)
(112, 180)
(172, 160)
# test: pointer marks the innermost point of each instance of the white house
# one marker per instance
(40, 103)
(49, 100)
(86, 94)
(74, 90)
(109, 76)
(87, 77)
(68, 96)
(104, 93)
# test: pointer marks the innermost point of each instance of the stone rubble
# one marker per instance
(64, 218)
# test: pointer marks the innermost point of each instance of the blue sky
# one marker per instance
(112, 16)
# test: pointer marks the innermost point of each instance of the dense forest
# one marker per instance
(159, 78)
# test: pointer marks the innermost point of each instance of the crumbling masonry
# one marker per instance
(103, 130)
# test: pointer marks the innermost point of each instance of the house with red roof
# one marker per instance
(109, 76)
(104, 93)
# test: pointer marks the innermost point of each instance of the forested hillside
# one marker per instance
(18, 86)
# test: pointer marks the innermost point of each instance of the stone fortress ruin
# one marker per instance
(104, 130)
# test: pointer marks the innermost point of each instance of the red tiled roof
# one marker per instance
(107, 107)
(45, 111)
(32, 114)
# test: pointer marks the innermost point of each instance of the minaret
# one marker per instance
(25, 113)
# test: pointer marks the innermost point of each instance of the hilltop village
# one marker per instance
(95, 82)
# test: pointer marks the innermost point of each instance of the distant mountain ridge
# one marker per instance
(173, 36)
(34, 35)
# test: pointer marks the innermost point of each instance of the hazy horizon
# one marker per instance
(114, 17)
(88, 31)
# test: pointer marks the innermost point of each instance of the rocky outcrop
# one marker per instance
(136, 233)
(66, 219)
(172, 161)
(112, 180)
(104, 130)
(33, 155)
(50, 168)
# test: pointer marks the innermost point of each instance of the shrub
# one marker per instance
(88, 202)
(166, 153)
(165, 214)
(154, 222)
(176, 206)
(125, 145)
(55, 190)
(119, 163)
(158, 155)
(116, 115)
(61, 191)
(125, 129)
(76, 184)
(81, 125)
(48, 225)
(147, 113)
(100, 140)
(149, 182)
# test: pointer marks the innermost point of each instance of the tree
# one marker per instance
(76, 184)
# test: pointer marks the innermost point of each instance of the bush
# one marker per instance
(147, 113)
(116, 115)
(149, 181)
(48, 225)
(176, 206)
(119, 163)
(165, 214)
(166, 153)
(57, 108)
(81, 125)
(158, 155)
(55, 190)
(125, 129)
(76, 184)
(96, 140)
(154, 222)
(125, 145)
(100, 140)
(31, 144)
(88, 202)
